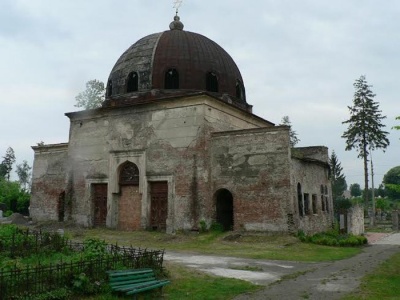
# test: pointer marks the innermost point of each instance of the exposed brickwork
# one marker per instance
(129, 208)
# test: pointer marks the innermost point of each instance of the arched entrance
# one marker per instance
(224, 204)
(130, 198)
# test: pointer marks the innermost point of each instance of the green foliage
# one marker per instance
(338, 180)
(94, 248)
(8, 161)
(333, 238)
(84, 285)
(92, 97)
(292, 134)
(24, 174)
(342, 204)
(57, 294)
(217, 227)
(16, 198)
(355, 190)
(392, 183)
(203, 226)
(365, 129)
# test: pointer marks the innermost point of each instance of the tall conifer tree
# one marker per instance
(365, 131)
(338, 180)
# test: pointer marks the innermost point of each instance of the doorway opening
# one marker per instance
(224, 205)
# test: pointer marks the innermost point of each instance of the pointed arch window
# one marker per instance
(109, 88)
(172, 79)
(212, 82)
(129, 174)
(240, 92)
(132, 82)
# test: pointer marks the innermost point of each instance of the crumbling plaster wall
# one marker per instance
(254, 165)
(310, 169)
(48, 181)
(167, 140)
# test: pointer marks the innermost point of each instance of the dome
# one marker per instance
(176, 61)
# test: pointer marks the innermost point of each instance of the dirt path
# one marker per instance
(292, 280)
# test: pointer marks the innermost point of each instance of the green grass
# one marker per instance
(249, 245)
(383, 283)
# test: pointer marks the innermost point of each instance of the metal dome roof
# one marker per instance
(192, 55)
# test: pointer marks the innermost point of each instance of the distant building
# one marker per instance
(175, 144)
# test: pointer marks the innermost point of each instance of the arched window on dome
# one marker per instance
(240, 93)
(132, 82)
(212, 82)
(172, 79)
(109, 88)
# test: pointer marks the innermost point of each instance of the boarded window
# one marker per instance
(129, 174)
(212, 82)
(132, 82)
(172, 79)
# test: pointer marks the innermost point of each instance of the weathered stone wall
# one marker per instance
(254, 165)
(48, 181)
(355, 220)
(167, 140)
(310, 169)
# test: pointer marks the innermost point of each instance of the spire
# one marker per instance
(176, 24)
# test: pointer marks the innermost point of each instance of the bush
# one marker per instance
(333, 238)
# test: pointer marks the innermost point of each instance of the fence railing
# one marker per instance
(26, 282)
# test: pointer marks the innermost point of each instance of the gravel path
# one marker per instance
(294, 280)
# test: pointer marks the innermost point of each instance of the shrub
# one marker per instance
(333, 238)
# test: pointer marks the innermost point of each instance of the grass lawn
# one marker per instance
(249, 245)
(383, 283)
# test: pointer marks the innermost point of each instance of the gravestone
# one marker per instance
(1, 214)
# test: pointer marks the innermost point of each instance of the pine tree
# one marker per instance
(292, 134)
(338, 180)
(365, 131)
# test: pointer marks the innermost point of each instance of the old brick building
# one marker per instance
(174, 144)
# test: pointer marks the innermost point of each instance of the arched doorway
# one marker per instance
(129, 217)
(224, 206)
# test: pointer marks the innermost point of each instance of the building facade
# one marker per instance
(176, 144)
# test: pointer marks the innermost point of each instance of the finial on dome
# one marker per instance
(176, 24)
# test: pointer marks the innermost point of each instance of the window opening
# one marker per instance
(109, 88)
(307, 210)
(326, 198)
(172, 79)
(322, 198)
(240, 94)
(212, 82)
(132, 85)
(300, 200)
(314, 203)
(129, 174)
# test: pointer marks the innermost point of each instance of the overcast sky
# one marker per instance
(297, 58)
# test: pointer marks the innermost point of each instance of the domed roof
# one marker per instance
(176, 60)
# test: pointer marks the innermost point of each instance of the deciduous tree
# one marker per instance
(365, 129)
(8, 161)
(392, 183)
(355, 190)
(93, 96)
(24, 173)
(292, 134)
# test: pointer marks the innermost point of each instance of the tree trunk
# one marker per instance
(365, 181)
